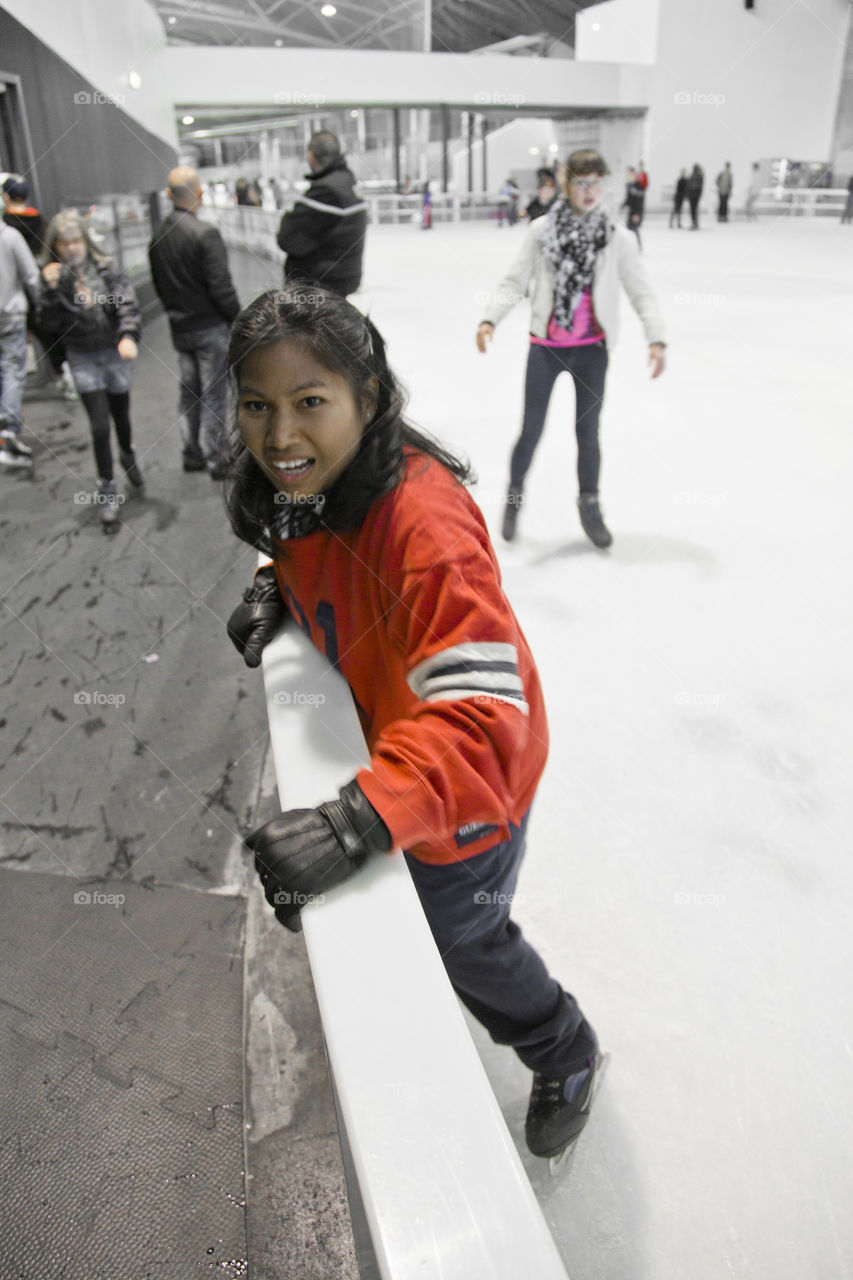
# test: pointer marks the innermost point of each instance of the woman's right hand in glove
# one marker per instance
(254, 622)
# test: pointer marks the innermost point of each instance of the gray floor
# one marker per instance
(133, 759)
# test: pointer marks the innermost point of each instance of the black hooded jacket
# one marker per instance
(323, 234)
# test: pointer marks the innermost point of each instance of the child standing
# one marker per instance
(91, 307)
(382, 557)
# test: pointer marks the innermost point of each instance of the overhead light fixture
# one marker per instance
(596, 26)
(534, 151)
(187, 119)
(279, 43)
(354, 115)
(328, 11)
(172, 21)
(135, 80)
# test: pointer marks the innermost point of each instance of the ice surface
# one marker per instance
(688, 874)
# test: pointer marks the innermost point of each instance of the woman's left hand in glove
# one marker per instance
(303, 852)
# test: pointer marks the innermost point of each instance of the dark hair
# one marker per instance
(347, 343)
(324, 146)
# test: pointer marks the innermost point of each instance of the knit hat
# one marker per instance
(16, 187)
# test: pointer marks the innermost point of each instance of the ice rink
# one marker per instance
(688, 872)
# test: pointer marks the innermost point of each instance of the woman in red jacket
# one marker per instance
(382, 557)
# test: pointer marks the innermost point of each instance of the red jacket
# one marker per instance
(409, 607)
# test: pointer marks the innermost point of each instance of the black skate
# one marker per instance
(593, 521)
(514, 500)
(131, 470)
(109, 506)
(559, 1109)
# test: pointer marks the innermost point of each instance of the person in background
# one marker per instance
(695, 184)
(19, 288)
(573, 264)
(724, 191)
(678, 199)
(426, 209)
(189, 270)
(323, 234)
(91, 306)
(847, 211)
(642, 177)
(546, 194)
(277, 193)
(635, 202)
(753, 192)
(511, 193)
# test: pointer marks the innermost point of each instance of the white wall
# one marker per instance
(367, 77)
(739, 85)
(618, 31)
(104, 40)
(507, 149)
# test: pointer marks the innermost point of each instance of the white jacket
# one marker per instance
(619, 262)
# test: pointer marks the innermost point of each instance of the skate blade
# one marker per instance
(562, 1162)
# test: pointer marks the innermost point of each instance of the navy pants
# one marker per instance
(588, 367)
(493, 969)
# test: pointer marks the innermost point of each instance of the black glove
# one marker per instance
(305, 851)
(254, 622)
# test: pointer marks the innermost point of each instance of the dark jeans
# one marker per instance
(676, 211)
(723, 207)
(588, 367)
(101, 406)
(493, 969)
(203, 400)
(693, 201)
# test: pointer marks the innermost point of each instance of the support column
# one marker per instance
(445, 146)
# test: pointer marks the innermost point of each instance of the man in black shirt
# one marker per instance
(189, 269)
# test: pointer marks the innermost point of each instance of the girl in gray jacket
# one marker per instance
(573, 262)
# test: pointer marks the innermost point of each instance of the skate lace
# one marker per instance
(545, 1093)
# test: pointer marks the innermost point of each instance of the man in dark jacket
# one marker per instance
(189, 268)
(323, 234)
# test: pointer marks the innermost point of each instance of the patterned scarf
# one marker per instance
(570, 242)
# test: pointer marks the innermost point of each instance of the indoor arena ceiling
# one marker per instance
(524, 27)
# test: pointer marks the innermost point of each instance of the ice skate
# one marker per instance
(514, 499)
(559, 1105)
(14, 454)
(109, 508)
(593, 521)
(131, 470)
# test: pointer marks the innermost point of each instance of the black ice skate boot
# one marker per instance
(131, 470)
(514, 499)
(593, 521)
(109, 507)
(559, 1105)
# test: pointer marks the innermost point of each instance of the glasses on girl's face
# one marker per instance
(585, 183)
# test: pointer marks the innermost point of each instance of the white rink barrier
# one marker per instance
(442, 1188)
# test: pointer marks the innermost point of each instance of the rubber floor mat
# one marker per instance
(121, 1131)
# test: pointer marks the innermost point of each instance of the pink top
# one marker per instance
(584, 331)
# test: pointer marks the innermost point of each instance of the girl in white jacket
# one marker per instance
(572, 264)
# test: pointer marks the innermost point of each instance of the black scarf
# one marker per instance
(571, 242)
(297, 519)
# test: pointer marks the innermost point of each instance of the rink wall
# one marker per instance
(435, 1183)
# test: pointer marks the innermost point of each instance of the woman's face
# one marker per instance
(585, 193)
(300, 421)
(72, 251)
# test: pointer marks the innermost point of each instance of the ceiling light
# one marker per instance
(354, 115)
(172, 21)
(596, 26)
(135, 80)
(188, 120)
(534, 151)
(328, 11)
(279, 43)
